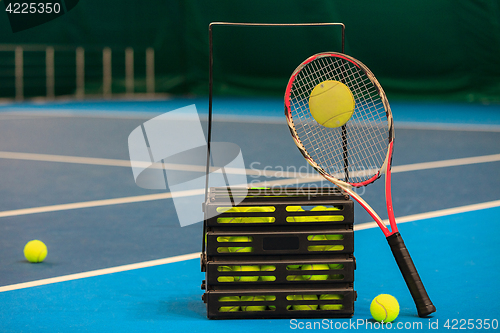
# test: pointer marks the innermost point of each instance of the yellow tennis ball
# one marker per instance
(267, 268)
(225, 279)
(334, 237)
(336, 266)
(241, 249)
(331, 306)
(229, 299)
(305, 306)
(258, 219)
(316, 237)
(229, 308)
(35, 251)
(294, 209)
(315, 276)
(316, 247)
(293, 267)
(253, 299)
(384, 308)
(240, 239)
(246, 278)
(331, 103)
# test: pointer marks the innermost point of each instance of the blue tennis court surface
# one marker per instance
(113, 262)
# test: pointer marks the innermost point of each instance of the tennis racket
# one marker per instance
(354, 153)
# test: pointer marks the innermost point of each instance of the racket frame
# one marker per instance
(400, 252)
(386, 166)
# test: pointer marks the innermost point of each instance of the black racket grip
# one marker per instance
(410, 274)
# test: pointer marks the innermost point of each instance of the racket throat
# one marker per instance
(345, 153)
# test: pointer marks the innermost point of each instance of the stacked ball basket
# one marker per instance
(279, 255)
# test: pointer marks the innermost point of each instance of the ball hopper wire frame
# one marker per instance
(210, 93)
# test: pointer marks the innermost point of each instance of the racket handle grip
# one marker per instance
(410, 274)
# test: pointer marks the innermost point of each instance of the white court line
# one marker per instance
(306, 178)
(436, 213)
(446, 163)
(10, 112)
(134, 199)
(357, 227)
(115, 162)
(250, 172)
(99, 272)
(448, 127)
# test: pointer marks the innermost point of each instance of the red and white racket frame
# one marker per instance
(405, 263)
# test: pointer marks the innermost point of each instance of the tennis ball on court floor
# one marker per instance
(331, 103)
(35, 251)
(305, 298)
(384, 308)
(314, 276)
(253, 307)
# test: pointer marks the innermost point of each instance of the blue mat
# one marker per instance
(456, 255)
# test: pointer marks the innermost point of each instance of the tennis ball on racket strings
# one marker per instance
(35, 251)
(384, 308)
(331, 103)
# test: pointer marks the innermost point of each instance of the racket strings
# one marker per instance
(366, 136)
